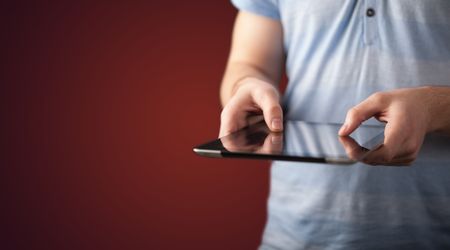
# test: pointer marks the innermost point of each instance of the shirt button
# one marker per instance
(370, 12)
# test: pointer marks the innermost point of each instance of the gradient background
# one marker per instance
(101, 104)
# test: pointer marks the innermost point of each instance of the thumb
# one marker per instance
(271, 108)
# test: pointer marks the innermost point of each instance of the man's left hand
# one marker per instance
(409, 117)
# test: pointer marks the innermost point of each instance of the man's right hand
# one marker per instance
(253, 100)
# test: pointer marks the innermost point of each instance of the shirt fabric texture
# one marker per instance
(338, 54)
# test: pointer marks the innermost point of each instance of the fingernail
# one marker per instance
(277, 124)
(343, 129)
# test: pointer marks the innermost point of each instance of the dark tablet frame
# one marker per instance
(216, 149)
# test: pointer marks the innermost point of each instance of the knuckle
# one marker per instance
(411, 148)
(267, 100)
(272, 91)
(275, 110)
(268, 94)
(354, 114)
(265, 96)
(380, 97)
(259, 95)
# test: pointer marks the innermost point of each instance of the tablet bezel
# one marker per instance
(216, 149)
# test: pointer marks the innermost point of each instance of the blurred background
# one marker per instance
(101, 104)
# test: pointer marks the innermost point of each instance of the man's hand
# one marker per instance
(409, 114)
(249, 91)
(253, 100)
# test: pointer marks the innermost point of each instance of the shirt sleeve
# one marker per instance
(268, 8)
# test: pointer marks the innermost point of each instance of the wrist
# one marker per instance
(438, 108)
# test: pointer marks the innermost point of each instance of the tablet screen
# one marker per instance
(300, 141)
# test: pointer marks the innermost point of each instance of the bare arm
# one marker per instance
(254, 69)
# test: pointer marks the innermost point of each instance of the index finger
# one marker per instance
(362, 112)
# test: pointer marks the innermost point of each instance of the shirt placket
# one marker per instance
(370, 21)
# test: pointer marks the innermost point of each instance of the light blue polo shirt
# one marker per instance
(339, 52)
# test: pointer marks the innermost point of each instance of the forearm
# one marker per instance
(256, 52)
(440, 109)
(237, 73)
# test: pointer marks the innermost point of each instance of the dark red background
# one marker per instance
(101, 104)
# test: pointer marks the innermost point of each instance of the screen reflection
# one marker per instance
(318, 206)
(305, 140)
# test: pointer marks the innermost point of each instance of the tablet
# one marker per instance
(300, 141)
